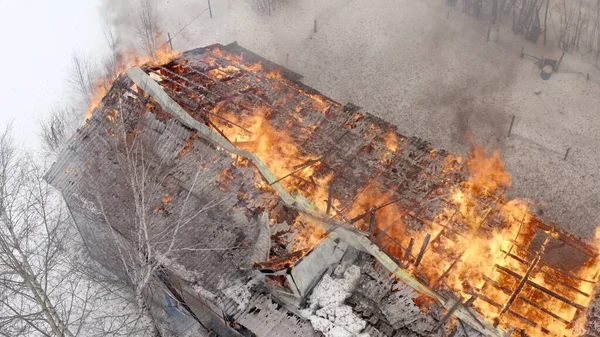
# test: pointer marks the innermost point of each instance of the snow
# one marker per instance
(328, 313)
(329, 292)
(345, 318)
(320, 324)
(434, 78)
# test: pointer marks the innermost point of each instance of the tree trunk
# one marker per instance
(514, 14)
(494, 11)
(597, 31)
(24, 269)
(545, 20)
(145, 310)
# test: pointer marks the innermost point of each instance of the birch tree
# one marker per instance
(147, 230)
(55, 129)
(31, 235)
(81, 79)
(112, 63)
(148, 27)
(578, 27)
(64, 119)
(46, 288)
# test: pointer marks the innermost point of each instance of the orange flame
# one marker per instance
(162, 55)
(487, 172)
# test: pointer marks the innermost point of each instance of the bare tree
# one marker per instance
(495, 10)
(148, 27)
(113, 62)
(150, 226)
(577, 27)
(81, 79)
(597, 32)
(63, 120)
(31, 235)
(56, 129)
(46, 288)
(266, 6)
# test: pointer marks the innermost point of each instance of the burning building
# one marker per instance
(287, 213)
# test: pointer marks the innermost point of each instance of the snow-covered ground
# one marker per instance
(402, 60)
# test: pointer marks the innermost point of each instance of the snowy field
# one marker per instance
(403, 61)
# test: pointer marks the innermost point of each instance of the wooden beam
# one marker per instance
(363, 215)
(423, 249)
(568, 238)
(563, 272)
(298, 168)
(525, 277)
(567, 154)
(372, 224)
(559, 61)
(512, 121)
(540, 288)
(404, 262)
(409, 250)
(526, 300)
(329, 200)
(519, 316)
(555, 279)
(446, 272)
(393, 240)
(448, 314)
(513, 242)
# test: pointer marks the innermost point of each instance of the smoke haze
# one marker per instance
(433, 77)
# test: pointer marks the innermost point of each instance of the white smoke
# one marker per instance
(123, 19)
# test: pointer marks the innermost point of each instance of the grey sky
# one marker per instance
(38, 38)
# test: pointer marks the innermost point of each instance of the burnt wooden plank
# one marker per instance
(541, 288)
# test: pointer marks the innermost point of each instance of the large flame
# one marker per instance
(164, 54)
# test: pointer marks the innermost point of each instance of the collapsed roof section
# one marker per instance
(439, 224)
